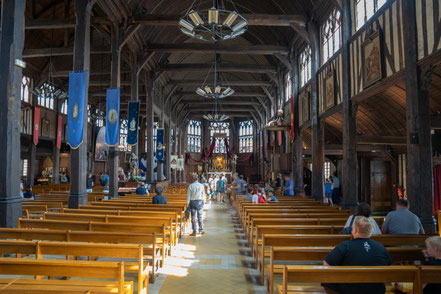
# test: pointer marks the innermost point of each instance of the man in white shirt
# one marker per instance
(195, 200)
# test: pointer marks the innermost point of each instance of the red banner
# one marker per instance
(59, 131)
(36, 124)
(292, 118)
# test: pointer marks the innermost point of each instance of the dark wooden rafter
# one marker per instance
(245, 83)
(240, 68)
(204, 48)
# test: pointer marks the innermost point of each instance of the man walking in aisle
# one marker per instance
(195, 200)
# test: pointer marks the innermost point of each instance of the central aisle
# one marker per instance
(215, 262)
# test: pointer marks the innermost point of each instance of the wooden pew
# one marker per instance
(150, 249)
(289, 254)
(63, 268)
(160, 231)
(345, 274)
(144, 220)
(67, 249)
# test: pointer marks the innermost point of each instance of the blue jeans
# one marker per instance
(196, 206)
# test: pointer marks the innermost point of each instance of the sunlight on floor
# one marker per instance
(183, 257)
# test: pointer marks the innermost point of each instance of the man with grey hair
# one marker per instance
(159, 198)
(195, 200)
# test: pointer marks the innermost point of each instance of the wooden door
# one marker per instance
(380, 185)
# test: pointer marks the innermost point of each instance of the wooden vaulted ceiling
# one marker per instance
(145, 38)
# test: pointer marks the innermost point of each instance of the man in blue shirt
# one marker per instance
(159, 198)
(141, 190)
(288, 187)
(104, 180)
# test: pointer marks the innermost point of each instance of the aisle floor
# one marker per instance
(216, 262)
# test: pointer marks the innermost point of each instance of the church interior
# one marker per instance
(224, 146)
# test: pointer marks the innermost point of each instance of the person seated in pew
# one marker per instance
(21, 190)
(104, 179)
(249, 195)
(89, 183)
(358, 252)
(402, 221)
(362, 209)
(261, 196)
(159, 198)
(271, 196)
(28, 194)
(141, 190)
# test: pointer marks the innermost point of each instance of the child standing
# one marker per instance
(328, 191)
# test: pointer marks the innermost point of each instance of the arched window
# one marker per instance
(331, 35)
(24, 93)
(46, 96)
(288, 86)
(305, 66)
(246, 136)
(194, 136)
(365, 9)
(220, 128)
(64, 107)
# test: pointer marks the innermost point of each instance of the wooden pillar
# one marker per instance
(11, 47)
(297, 147)
(160, 166)
(183, 140)
(169, 147)
(114, 83)
(78, 157)
(316, 124)
(419, 149)
(149, 126)
(56, 151)
(349, 177)
(135, 96)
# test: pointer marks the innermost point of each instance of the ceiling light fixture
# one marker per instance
(214, 24)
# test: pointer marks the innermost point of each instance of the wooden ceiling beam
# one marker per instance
(223, 102)
(269, 20)
(203, 48)
(238, 83)
(250, 68)
(63, 51)
(381, 140)
(52, 24)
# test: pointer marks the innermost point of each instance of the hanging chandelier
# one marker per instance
(214, 90)
(214, 24)
(217, 115)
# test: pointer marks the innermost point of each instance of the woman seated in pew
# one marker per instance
(249, 195)
(28, 194)
(360, 251)
(433, 255)
(362, 209)
(159, 198)
(141, 190)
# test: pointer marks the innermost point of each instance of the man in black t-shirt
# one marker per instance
(359, 251)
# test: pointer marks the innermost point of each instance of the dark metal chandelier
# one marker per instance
(217, 115)
(214, 24)
(215, 90)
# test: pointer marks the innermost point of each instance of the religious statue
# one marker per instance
(133, 165)
(219, 162)
(233, 163)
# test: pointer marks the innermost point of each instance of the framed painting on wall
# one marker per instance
(127, 156)
(372, 57)
(329, 84)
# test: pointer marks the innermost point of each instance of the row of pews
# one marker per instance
(76, 244)
(301, 231)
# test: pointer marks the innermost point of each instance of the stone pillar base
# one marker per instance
(10, 211)
(75, 200)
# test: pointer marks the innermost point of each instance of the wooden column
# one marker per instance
(78, 157)
(56, 151)
(316, 124)
(135, 96)
(32, 162)
(349, 177)
(297, 147)
(419, 149)
(149, 126)
(160, 166)
(182, 148)
(114, 83)
(11, 47)
(168, 152)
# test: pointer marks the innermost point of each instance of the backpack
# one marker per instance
(348, 230)
(262, 199)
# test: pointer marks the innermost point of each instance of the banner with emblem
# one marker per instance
(132, 136)
(59, 130)
(112, 117)
(173, 161)
(36, 129)
(76, 108)
(160, 145)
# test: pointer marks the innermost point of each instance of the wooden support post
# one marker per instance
(114, 83)
(160, 165)
(168, 151)
(11, 47)
(135, 96)
(317, 126)
(349, 177)
(419, 149)
(149, 126)
(56, 151)
(297, 148)
(32, 162)
(78, 157)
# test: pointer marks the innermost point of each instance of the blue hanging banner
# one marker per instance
(160, 145)
(112, 117)
(132, 136)
(76, 108)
